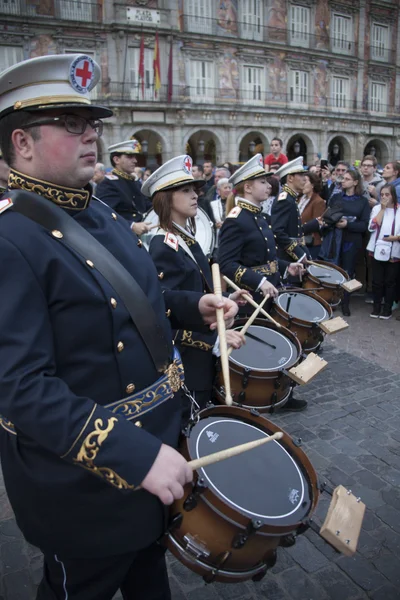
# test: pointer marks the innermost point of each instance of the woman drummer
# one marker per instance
(182, 265)
(247, 251)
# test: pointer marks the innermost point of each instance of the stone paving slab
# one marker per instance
(351, 433)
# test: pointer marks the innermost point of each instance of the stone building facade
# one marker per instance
(322, 75)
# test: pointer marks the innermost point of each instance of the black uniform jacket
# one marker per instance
(122, 193)
(178, 271)
(68, 347)
(247, 251)
(287, 225)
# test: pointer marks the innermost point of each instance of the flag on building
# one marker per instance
(170, 72)
(156, 67)
(141, 65)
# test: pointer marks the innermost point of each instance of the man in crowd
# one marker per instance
(4, 172)
(276, 157)
(121, 191)
(86, 325)
(335, 186)
(198, 172)
(220, 173)
(373, 182)
(208, 175)
(98, 175)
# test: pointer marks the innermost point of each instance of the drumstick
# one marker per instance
(250, 320)
(222, 334)
(251, 301)
(154, 226)
(210, 459)
(311, 262)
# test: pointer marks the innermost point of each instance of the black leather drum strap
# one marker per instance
(52, 217)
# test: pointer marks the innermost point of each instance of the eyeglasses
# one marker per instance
(367, 165)
(73, 124)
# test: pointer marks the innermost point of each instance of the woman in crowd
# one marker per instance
(182, 265)
(353, 224)
(311, 206)
(384, 248)
(218, 206)
(273, 192)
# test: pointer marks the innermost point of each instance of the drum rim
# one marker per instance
(323, 283)
(307, 469)
(298, 320)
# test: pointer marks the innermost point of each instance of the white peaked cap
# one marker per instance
(132, 146)
(53, 81)
(291, 168)
(174, 173)
(251, 170)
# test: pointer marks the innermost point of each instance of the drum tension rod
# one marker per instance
(198, 489)
(246, 377)
(241, 537)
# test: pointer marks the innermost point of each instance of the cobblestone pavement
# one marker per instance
(351, 433)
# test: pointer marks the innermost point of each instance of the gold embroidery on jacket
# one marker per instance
(74, 199)
(91, 447)
(268, 269)
(249, 207)
(7, 425)
(123, 175)
(290, 249)
(187, 340)
(240, 271)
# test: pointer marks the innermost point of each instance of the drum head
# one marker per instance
(265, 483)
(302, 307)
(327, 275)
(278, 353)
(204, 231)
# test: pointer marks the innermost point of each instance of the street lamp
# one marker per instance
(145, 146)
(296, 147)
(200, 148)
(252, 147)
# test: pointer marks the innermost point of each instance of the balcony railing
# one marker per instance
(261, 33)
(116, 93)
(71, 10)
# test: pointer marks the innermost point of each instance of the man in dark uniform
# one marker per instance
(120, 190)
(90, 409)
(285, 215)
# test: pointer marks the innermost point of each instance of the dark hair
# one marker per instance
(392, 192)
(162, 202)
(11, 122)
(113, 155)
(357, 177)
(237, 191)
(200, 168)
(149, 169)
(343, 162)
(315, 181)
(229, 167)
(276, 139)
(274, 183)
(210, 162)
(371, 158)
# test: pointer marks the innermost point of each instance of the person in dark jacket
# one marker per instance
(182, 265)
(120, 190)
(90, 406)
(353, 224)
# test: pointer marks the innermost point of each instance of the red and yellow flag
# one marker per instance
(156, 67)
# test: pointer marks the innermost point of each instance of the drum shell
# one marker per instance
(215, 524)
(330, 292)
(264, 389)
(308, 333)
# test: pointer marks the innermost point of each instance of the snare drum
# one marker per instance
(205, 234)
(237, 512)
(257, 368)
(329, 278)
(301, 311)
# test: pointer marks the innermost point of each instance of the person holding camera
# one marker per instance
(384, 249)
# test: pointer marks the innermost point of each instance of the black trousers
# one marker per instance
(139, 575)
(384, 281)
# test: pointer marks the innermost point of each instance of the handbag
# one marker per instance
(383, 249)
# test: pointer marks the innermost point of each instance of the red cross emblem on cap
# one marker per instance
(81, 73)
(260, 160)
(187, 163)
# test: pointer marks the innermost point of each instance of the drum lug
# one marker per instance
(220, 561)
(324, 486)
(274, 399)
(287, 541)
(175, 522)
(242, 397)
(241, 537)
(254, 412)
(297, 442)
(191, 501)
(245, 378)
(277, 382)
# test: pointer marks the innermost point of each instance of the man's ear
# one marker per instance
(23, 143)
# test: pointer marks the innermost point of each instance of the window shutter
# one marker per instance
(9, 56)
